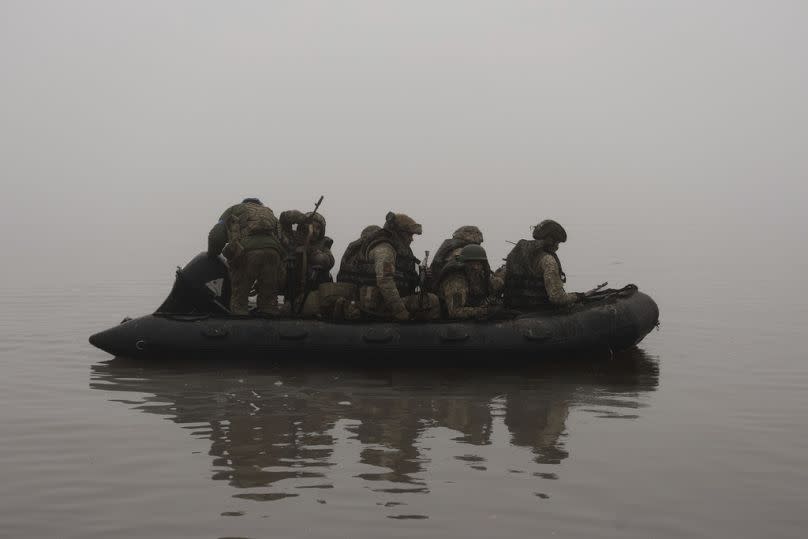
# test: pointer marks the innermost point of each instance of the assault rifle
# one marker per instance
(593, 290)
(422, 284)
(304, 259)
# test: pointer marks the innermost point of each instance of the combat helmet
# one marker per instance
(402, 222)
(472, 253)
(550, 229)
(468, 233)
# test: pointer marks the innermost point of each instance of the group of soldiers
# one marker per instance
(379, 276)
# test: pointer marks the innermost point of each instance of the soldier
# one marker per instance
(534, 277)
(465, 235)
(383, 267)
(309, 259)
(247, 235)
(466, 286)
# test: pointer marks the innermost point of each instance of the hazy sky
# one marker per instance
(127, 127)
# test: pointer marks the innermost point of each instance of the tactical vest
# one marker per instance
(247, 226)
(252, 220)
(356, 267)
(443, 253)
(524, 288)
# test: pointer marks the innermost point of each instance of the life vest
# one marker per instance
(357, 268)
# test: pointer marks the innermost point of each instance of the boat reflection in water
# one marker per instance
(276, 433)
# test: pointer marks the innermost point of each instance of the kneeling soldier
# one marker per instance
(384, 269)
(466, 286)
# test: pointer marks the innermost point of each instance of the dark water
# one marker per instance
(700, 432)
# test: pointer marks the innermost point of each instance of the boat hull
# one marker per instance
(612, 324)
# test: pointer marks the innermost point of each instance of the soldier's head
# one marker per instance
(469, 234)
(550, 233)
(252, 200)
(317, 224)
(403, 225)
(475, 263)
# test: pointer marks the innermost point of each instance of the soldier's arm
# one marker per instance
(384, 262)
(454, 291)
(553, 284)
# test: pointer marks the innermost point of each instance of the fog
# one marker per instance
(126, 128)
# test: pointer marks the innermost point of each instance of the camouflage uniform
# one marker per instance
(383, 267)
(317, 248)
(253, 251)
(460, 297)
(534, 277)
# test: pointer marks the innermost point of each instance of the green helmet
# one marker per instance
(550, 229)
(472, 253)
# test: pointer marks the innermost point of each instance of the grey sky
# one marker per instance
(128, 123)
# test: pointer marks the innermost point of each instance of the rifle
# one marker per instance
(317, 205)
(422, 279)
(592, 291)
(304, 258)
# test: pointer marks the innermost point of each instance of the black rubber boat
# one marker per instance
(193, 323)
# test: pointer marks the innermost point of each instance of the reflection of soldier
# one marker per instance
(266, 435)
(470, 416)
(538, 420)
(466, 286)
(534, 277)
(247, 234)
(383, 267)
(465, 235)
(307, 238)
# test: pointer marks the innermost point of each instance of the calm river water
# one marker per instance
(699, 432)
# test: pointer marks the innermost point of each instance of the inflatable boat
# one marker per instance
(193, 322)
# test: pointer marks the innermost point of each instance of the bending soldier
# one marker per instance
(383, 267)
(534, 278)
(247, 235)
(466, 286)
(306, 245)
